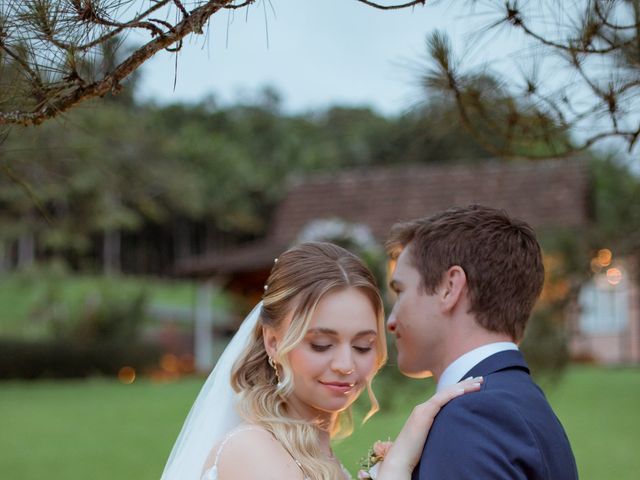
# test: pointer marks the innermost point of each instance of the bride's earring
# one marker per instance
(274, 365)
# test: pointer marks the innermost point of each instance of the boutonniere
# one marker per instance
(370, 465)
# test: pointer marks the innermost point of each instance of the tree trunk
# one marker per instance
(214, 240)
(5, 263)
(181, 240)
(26, 250)
(111, 252)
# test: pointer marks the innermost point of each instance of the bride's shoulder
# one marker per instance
(250, 450)
(246, 434)
(247, 430)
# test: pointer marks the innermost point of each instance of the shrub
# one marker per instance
(98, 334)
(29, 359)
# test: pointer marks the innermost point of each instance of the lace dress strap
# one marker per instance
(212, 473)
(228, 437)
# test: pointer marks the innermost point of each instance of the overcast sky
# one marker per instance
(317, 53)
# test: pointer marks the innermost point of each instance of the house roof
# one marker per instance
(547, 194)
(242, 259)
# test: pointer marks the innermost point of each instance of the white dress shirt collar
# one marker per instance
(454, 372)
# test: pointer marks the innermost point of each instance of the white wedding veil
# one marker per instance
(213, 414)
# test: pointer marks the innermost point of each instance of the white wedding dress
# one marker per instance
(212, 473)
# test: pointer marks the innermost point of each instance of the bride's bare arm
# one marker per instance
(405, 453)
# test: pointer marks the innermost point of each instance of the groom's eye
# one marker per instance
(320, 348)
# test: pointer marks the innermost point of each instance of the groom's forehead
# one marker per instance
(404, 265)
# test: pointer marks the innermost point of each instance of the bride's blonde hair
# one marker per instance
(299, 279)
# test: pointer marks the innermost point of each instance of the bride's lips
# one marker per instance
(338, 387)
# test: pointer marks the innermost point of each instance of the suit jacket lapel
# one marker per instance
(498, 361)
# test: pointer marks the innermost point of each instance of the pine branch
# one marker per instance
(393, 7)
(61, 37)
(506, 123)
(111, 82)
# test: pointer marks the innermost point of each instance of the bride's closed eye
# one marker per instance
(323, 348)
(320, 348)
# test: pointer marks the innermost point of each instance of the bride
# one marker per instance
(284, 386)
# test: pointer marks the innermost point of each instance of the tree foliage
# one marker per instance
(582, 75)
(170, 181)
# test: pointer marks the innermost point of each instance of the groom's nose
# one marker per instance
(391, 322)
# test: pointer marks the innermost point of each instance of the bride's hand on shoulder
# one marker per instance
(405, 453)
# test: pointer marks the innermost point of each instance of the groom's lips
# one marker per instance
(338, 387)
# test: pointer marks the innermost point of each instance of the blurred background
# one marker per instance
(137, 228)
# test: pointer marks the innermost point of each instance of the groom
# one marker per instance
(466, 280)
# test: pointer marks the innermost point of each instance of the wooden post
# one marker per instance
(26, 250)
(203, 331)
(4, 257)
(111, 247)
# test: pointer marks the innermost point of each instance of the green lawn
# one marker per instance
(100, 429)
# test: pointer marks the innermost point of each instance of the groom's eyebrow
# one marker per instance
(328, 331)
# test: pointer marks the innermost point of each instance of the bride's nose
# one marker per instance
(343, 361)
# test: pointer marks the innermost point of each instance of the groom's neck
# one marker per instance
(461, 342)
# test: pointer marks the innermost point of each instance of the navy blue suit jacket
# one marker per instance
(507, 430)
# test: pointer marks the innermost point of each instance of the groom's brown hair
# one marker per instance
(498, 253)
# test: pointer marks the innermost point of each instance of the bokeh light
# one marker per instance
(614, 276)
(595, 265)
(604, 257)
(170, 363)
(127, 375)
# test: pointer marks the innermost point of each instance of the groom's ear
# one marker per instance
(270, 340)
(453, 287)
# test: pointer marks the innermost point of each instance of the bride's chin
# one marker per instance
(344, 404)
(333, 406)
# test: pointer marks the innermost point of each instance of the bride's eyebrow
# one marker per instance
(329, 331)
(322, 331)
